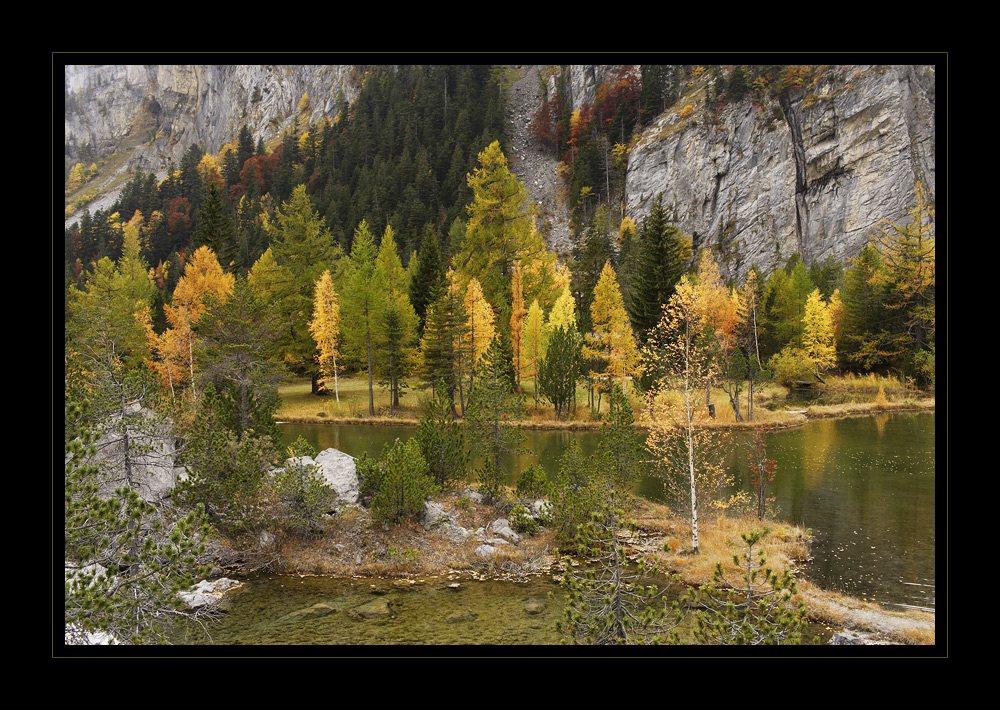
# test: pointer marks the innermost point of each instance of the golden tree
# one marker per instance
(685, 451)
(612, 339)
(563, 312)
(480, 317)
(534, 343)
(818, 333)
(517, 314)
(325, 328)
(202, 275)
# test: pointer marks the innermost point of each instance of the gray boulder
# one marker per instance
(338, 471)
(207, 593)
(502, 529)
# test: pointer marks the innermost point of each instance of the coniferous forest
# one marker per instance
(393, 244)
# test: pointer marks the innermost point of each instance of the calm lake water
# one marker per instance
(864, 485)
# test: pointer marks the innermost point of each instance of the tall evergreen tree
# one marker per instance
(215, 229)
(429, 278)
(239, 356)
(559, 369)
(491, 418)
(444, 339)
(664, 257)
(302, 249)
(364, 302)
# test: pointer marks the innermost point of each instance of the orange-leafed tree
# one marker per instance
(202, 275)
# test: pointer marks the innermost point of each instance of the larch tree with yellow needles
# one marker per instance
(325, 328)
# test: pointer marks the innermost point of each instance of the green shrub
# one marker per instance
(302, 490)
(521, 520)
(792, 365)
(405, 483)
(532, 482)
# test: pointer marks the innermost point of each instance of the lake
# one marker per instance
(864, 485)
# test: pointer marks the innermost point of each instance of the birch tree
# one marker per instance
(682, 447)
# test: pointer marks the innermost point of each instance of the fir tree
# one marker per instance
(491, 418)
(441, 439)
(560, 368)
(429, 278)
(663, 259)
(215, 229)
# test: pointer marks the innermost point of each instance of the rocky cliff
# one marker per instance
(838, 158)
(756, 183)
(156, 112)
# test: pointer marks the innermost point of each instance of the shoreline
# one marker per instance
(788, 418)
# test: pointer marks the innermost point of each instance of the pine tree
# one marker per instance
(441, 439)
(429, 277)
(302, 491)
(364, 303)
(560, 368)
(491, 418)
(754, 609)
(301, 248)
(621, 453)
(128, 549)
(238, 354)
(444, 343)
(215, 229)
(397, 338)
(405, 483)
(664, 255)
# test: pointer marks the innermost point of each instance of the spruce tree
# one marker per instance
(238, 354)
(560, 368)
(429, 278)
(491, 417)
(215, 229)
(664, 256)
(441, 347)
(442, 440)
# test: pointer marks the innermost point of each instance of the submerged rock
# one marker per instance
(375, 609)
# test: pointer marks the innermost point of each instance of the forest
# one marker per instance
(394, 243)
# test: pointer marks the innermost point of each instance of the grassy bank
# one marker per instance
(844, 396)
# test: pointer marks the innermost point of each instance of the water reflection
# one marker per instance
(864, 485)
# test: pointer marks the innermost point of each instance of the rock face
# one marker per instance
(154, 113)
(816, 182)
(149, 444)
(812, 176)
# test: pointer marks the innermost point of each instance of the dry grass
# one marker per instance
(353, 545)
(718, 540)
(786, 547)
